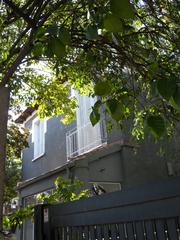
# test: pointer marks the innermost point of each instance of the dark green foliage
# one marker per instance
(156, 125)
(103, 88)
(100, 47)
(123, 9)
(115, 108)
(176, 97)
(57, 47)
(91, 32)
(65, 190)
(64, 36)
(94, 117)
(16, 142)
(167, 87)
(17, 218)
(113, 23)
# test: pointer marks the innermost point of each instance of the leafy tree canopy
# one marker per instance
(125, 52)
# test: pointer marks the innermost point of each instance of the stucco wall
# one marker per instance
(131, 166)
(143, 164)
(55, 149)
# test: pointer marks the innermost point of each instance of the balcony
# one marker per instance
(83, 139)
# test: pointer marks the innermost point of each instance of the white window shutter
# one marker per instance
(38, 137)
(88, 136)
(41, 137)
(33, 131)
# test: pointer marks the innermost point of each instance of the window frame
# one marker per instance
(41, 135)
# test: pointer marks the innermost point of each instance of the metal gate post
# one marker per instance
(38, 222)
(42, 222)
(47, 231)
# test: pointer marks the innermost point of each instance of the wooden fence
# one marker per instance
(150, 212)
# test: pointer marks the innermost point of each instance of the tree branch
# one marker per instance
(19, 12)
(42, 6)
(48, 14)
(27, 47)
(24, 51)
(12, 15)
(13, 49)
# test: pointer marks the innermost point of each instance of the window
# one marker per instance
(38, 137)
(85, 137)
(89, 137)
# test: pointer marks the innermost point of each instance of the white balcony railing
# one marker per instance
(83, 139)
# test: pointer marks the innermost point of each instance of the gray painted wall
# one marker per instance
(55, 149)
(128, 165)
(40, 186)
(148, 162)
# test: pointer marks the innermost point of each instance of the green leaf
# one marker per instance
(94, 117)
(40, 33)
(91, 58)
(112, 23)
(52, 30)
(173, 104)
(166, 87)
(38, 49)
(65, 36)
(175, 99)
(115, 108)
(153, 67)
(92, 33)
(57, 47)
(153, 86)
(156, 125)
(48, 51)
(103, 88)
(122, 8)
(176, 96)
(97, 105)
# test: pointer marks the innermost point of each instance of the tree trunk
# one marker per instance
(4, 106)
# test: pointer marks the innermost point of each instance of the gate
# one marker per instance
(150, 212)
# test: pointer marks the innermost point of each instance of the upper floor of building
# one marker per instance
(53, 144)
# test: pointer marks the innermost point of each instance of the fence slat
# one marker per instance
(99, 236)
(172, 229)
(106, 232)
(75, 235)
(56, 234)
(70, 233)
(113, 232)
(60, 233)
(81, 233)
(130, 232)
(65, 233)
(92, 233)
(86, 233)
(139, 230)
(150, 231)
(160, 229)
(122, 232)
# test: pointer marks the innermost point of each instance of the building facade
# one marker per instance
(93, 154)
